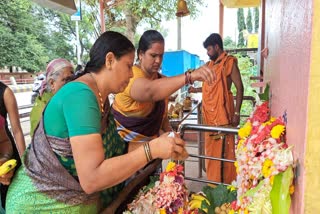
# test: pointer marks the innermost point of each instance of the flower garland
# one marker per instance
(169, 195)
(261, 154)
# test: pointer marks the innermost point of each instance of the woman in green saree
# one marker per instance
(77, 162)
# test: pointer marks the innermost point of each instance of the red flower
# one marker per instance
(261, 114)
(234, 205)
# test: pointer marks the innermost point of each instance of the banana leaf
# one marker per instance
(266, 93)
(217, 196)
(280, 195)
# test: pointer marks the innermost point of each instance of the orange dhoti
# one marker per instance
(218, 110)
(219, 171)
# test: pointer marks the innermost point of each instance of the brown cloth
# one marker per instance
(218, 109)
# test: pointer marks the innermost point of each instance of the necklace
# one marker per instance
(100, 96)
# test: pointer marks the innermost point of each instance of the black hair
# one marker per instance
(147, 39)
(213, 39)
(78, 68)
(109, 41)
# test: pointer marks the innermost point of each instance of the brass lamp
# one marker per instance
(182, 9)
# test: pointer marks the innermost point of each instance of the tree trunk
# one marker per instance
(131, 24)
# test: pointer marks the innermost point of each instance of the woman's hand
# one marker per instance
(203, 73)
(166, 147)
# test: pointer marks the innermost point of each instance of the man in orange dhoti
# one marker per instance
(218, 109)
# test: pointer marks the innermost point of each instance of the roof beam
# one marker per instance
(64, 6)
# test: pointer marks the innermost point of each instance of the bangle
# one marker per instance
(188, 79)
(237, 113)
(147, 151)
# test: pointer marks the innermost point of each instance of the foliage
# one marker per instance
(256, 19)
(56, 40)
(20, 31)
(217, 196)
(31, 35)
(265, 95)
(249, 21)
(241, 27)
(228, 43)
(61, 24)
(129, 14)
(247, 69)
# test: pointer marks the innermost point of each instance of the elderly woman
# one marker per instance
(57, 72)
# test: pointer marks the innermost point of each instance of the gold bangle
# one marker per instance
(147, 151)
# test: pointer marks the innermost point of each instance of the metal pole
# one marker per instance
(179, 33)
(221, 18)
(78, 43)
(200, 163)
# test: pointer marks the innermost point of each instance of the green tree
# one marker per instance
(128, 14)
(20, 30)
(32, 35)
(256, 19)
(54, 39)
(247, 70)
(64, 30)
(228, 43)
(249, 21)
(241, 27)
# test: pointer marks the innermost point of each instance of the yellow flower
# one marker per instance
(231, 212)
(240, 144)
(170, 166)
(277, 131)
(245, 130)
(246, 211)
(163, 211)
(231, 188)
(269, 122)
(237, 166)
(267, 168)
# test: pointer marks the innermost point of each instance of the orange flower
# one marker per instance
(291, 189)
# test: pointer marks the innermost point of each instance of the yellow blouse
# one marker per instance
(129, 107)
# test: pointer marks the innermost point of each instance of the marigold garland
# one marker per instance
(261, 154)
